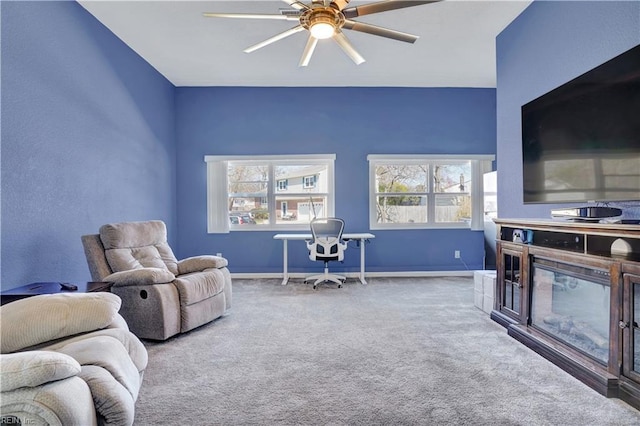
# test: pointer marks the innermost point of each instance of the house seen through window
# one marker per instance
(271, 192)
(424, 191)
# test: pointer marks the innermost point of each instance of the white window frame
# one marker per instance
(217, 189)
(480, 164)
(284, 186)
(311, 179)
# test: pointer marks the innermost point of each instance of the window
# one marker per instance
(426, 191)
(282, 185)
(309, 181)
(490, 186)
(268, 192)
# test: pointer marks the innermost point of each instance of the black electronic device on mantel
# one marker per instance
(586, 213)
(581, 141)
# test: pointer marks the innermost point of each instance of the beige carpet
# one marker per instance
(394, 352)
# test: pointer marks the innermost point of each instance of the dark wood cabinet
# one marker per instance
(629, 327)
(511, 283)
(571, 292)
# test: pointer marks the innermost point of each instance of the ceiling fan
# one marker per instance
(326, 19)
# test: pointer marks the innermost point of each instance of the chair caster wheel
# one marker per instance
(315, 287)
(339, 285)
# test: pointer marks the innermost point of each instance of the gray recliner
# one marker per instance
(161, 296)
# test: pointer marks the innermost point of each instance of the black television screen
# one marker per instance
(581, 141)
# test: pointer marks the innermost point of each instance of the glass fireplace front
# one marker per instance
(572, 303)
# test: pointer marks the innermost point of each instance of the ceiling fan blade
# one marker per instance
(296, 4)
(251, 16)
(275, 38)
(382, 6)
(379, 31)
(308, 51)
(347, 47)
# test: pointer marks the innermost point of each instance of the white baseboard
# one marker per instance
(403, 274)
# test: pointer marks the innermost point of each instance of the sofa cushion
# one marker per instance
(109, 353)
(134, 347)
(126, 259)
(38, 319)
(111, 374)
(34, 368)
(134, 245)
(199, 286)
(112, 401)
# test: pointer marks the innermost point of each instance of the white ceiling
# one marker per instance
(456, 46)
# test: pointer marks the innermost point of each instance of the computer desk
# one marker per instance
(361, 237)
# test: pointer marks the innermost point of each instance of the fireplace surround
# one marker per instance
(569, 294)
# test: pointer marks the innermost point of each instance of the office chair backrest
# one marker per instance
(327, 227)
(327, 241)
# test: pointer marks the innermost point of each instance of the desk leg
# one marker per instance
(285, 271)
(362, 280)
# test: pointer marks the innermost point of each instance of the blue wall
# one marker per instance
(350, 122)
(88, 137)
(92, 134)
(550, 43)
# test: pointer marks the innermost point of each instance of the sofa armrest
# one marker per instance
(61, 402)
(119, 322)
(200, 263)
(141, 276)
(40, 319)
(35, 368)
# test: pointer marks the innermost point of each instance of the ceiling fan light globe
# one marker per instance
(322, 30)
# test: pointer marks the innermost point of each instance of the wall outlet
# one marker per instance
(456, 254)
(219, 254)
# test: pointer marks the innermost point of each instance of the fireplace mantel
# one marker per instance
(561, 282)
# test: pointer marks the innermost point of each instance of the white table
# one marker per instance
(362, 237)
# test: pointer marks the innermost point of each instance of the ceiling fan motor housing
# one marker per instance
(325, 15)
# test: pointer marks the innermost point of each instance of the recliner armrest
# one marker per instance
(200, 263)
(34, 368)
(141, 276)
(47, 317)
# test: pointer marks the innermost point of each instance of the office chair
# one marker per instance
(326, 245)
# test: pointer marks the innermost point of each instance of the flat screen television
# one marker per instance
(581, 141)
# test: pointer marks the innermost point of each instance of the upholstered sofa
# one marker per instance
(161, 296)
(68, 359)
